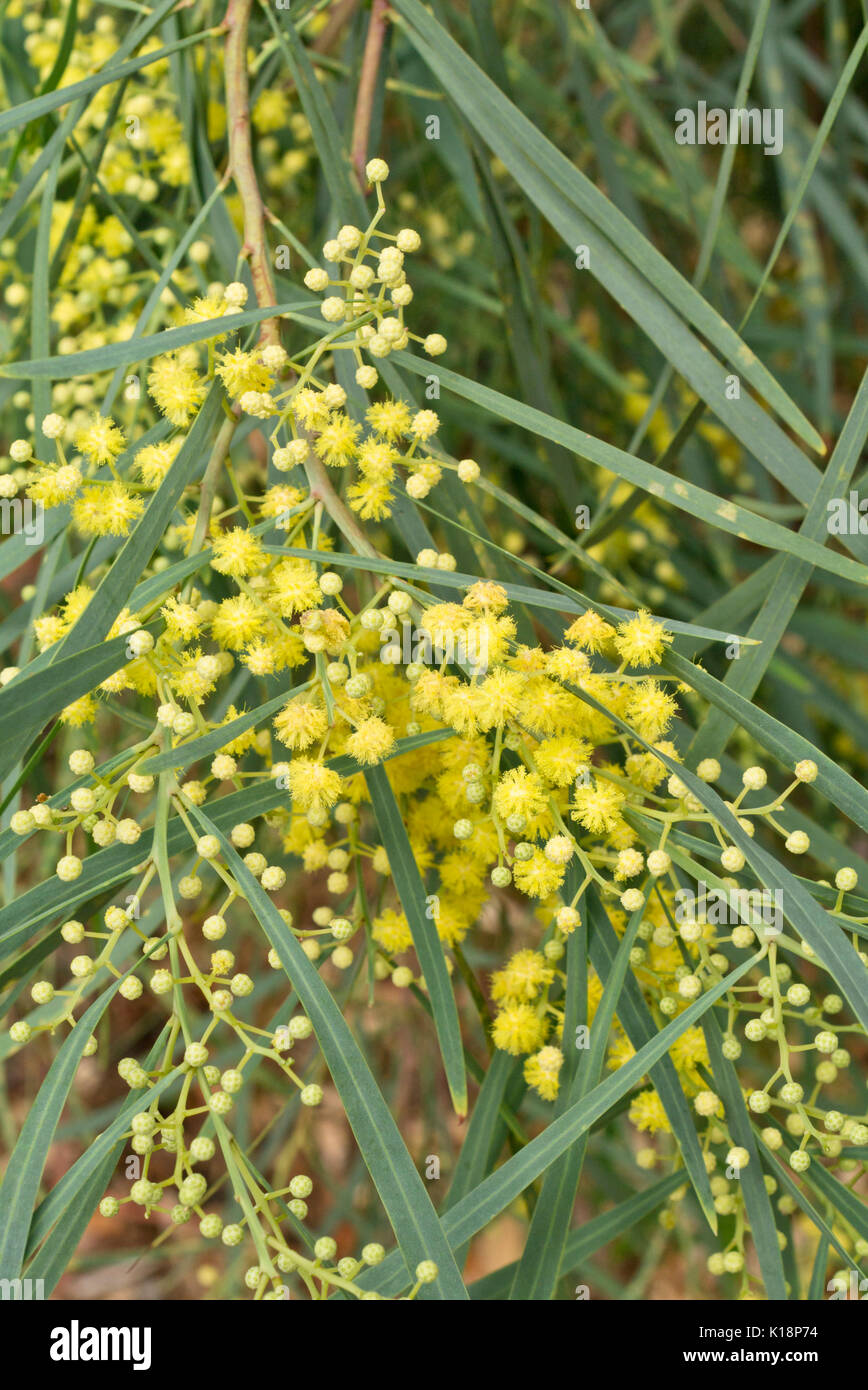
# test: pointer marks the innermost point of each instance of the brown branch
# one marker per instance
(367, 88)
(337, 19)
(321, 490)
(210, 482)
(255, 247)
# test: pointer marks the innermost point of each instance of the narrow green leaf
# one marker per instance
(411, 892)
(349, 205)
(28, 111)
(825, 937)
(591, 1236)
(572, 203)
(539, 1267)
(496, 1191)
(57, 1203)
(187, 753)
(94, 360)
(686, 496)
(24, 1172)
(817, 1286)
(638, 1023)
(28, 702)
(788, 581)
(486, 1130)
(756, 1199)
(406, 1202)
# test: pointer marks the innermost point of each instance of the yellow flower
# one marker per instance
(641, 641)
(456, 916)
(238, 745)
(209, 306)
(294, 587)
(372, 741)
(645, 770)
(649, 709)
(163, 130)
(524, 975)
(312, 784)
(519, 793)
(238, 553)
(537, 876)
(300, 723)
(336, 443)
(49, 629)
(425, 424)
(54, 484)
(106, 510)
(309, 407)
(559, 759)
(392, 931)
(154, 461)
(647, 1112)
(541, 1071)
(260, 658)
(216, 120)
(518, 1029)
(113, 237)
(76, 602)
(590, 632)
(271, 110)
(175, 166)
(182, 620)
(176, 388)
(689, 1052)
(101, 441)
(547, 708)
(595, 994)
(289, 650)
(81, 711)
(567, 664)
(240, 371)
(237, 621)
(315, 856)
(487, 639)
(485, 594)
(279, 499)
(498, 697)
(372, 500)
(598, 807)
(377, 460)
(620, 1051)
(389, 418)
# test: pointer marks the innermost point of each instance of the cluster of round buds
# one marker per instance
(439, 560)
(89, 807)
(372, 286)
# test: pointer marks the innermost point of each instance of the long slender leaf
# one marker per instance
(496, 1191)
(411, 892)
(405, 1199)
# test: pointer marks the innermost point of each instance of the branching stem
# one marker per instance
(368, 88)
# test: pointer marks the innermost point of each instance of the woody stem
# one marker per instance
(255, 248)
(241, 162)
(368, 87)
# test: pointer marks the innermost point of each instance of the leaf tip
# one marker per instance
(459, 1102)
